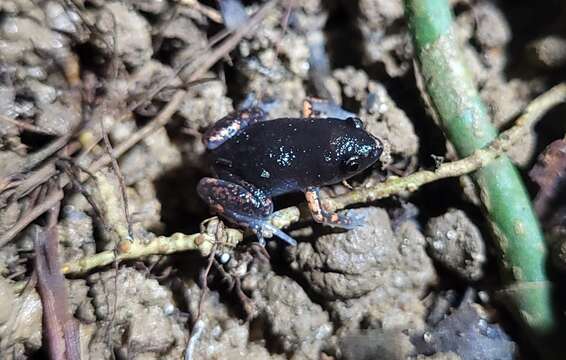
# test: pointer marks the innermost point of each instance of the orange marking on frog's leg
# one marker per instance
(334, 218)
(313, 107)
(313, 203)
(307, 108)
(320, 215)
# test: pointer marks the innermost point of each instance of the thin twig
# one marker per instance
(195, 336)
(36, 179)
(207, 11)
(78, 186)
(53, 198)
(162, 245)
(160, 120)
(284, 26)
(198, 327)
(203, 53)
(227, 46)
(34, 159)
(26, 126)
(534, 111)
(205, 280)
(31, 201)
(120, 177)
(210, 58)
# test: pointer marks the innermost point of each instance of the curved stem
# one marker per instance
(466, 122)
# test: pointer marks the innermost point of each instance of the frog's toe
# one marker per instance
(252, 101)
(266, 225)
(281, 235)
(355, 218)
(348, 219)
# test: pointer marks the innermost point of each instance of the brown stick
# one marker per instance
(53, 198)
(25, 125)
(160, 120)
(61, 328)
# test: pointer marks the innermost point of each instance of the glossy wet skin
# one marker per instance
(285, 155)
(255, 159)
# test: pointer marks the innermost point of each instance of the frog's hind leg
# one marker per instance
(231, 125)
(248, 207)
(320, 215)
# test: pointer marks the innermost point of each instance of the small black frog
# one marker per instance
(255, 159)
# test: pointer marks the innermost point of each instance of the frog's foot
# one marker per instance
(245, 206)
(252, 101)
(344, 220)
(354, 219)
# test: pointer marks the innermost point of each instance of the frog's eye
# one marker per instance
(352, 164)
(357, 122)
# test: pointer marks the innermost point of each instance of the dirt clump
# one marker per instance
(456, 242)
(20, 320)
(137, 308)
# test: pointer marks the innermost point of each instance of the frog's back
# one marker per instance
(281, 155)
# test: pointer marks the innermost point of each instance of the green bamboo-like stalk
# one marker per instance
(466, 122)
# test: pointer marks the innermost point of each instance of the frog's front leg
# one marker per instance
(320, 215)
(230, 125)
(246, 206)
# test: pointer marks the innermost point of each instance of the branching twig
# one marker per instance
(161, 245)
(73, 177)
(223, 49)
(199, 324)
(203, 61)
(203, 242)
(157, 122)
(160, 120)
(536, 109)
(53, 198)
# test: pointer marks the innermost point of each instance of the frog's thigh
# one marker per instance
(235, 202)
(231, 125)
(325, 217)
(321, 108)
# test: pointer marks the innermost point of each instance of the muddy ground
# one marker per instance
(418, 272)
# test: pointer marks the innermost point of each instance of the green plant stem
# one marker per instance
(467, 125)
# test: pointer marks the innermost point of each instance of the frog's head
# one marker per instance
(352, 149)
